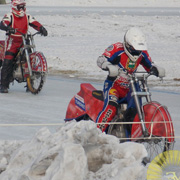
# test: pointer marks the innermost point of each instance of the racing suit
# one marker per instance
(117, 87)
(14, 41)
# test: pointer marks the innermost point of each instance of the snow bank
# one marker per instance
(75, 42)
(77, 151)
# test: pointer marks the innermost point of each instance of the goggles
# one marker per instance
(21, 6)
(132, 50)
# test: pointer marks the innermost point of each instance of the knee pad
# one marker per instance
(106, 116)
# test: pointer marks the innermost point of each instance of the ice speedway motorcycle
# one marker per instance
(29, 66)
(149, 123)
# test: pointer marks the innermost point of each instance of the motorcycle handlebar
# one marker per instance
(28, 33)
(144, 74)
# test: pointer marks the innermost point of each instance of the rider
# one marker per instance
(13, 22)
(120, 59)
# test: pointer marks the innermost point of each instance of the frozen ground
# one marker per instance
(81, 151)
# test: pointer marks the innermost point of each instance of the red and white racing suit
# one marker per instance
(14, 41)
(118, 87)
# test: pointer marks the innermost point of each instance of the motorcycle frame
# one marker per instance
(28, 48)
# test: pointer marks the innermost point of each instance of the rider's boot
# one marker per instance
(0, 62)
(27, 89)
(106, 116)
(4, 90)
(5, 74)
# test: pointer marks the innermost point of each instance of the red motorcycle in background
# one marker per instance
(29, 66)
(149, 123)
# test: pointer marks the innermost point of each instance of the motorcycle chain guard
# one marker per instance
(157, 121)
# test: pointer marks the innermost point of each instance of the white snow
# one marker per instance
(76, 151)
(79, 151)
(75, 41)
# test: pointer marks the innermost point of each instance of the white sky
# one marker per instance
(120, 3)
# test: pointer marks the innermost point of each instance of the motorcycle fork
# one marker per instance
(136, 95)
(146, 90)
(27, 56)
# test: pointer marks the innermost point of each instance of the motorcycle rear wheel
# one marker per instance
(118, 130)
(36, 82)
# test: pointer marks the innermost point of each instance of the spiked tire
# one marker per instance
(35, 82)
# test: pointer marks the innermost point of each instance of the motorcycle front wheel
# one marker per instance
(36, 82)
(155, 146)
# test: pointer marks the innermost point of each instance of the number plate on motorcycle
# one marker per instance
(79, 101)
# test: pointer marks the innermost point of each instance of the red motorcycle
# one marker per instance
(29, 66)
(148, 123)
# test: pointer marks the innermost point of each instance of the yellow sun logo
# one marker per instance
(165, 166)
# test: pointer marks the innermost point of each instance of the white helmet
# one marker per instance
(134, 43)
(18, 7)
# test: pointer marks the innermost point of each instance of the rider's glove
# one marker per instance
(10, 30)
(102, 62)
(113, 70)
(157, 71)
(43, 31)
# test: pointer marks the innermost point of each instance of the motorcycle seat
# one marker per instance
(98, 94)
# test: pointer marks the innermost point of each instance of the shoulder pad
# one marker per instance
(118, 45)
(30, 18)
(7, 17)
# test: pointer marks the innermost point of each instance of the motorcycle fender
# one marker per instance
(157, 121)
(38, 62)
(76, 108)
(84, 103)
(2, 48)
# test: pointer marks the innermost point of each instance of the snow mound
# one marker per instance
(76, 151)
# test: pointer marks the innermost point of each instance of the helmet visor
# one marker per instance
(132, 51)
